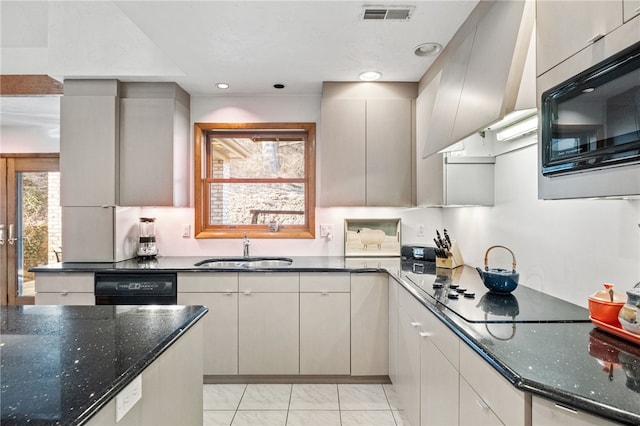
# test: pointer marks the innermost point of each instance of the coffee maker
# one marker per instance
(147, 247)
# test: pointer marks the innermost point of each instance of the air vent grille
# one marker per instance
(397, 13)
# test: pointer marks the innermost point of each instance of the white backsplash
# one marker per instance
(566, 248)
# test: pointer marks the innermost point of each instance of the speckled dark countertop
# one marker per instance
(61, 364)
(548, 348)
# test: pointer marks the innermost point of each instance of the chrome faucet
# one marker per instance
(246, 243)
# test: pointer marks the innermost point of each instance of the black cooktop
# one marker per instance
(476, 304)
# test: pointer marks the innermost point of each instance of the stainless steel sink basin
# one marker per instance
(244, 262)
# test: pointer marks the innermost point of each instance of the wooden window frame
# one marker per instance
(201, 195)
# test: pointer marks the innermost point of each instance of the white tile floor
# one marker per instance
(301, 404)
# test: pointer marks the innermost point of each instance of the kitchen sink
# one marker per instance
(244, 262)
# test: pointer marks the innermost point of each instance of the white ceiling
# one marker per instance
(248, 44)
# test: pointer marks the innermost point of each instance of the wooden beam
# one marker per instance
(15, 85)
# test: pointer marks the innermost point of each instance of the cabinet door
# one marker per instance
(576, 23)
(220, 330)
(268, 333)
(545, 412)
(88, 234)
(394, 288)
(342, 153)
(439, 378)
(325, 333)
(389, 152)
(369, 324)
(146, 152)
(408, 385)
(474, 410)
(439, 387)
(88, 147)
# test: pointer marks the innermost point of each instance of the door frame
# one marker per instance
(9, 164)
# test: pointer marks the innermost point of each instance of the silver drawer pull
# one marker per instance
(64, 293)
(565, 408)
(426, 334)
(482, 404)
(595, 38)
(247, 292)
(415, 324)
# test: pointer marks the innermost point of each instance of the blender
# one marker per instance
(147, 247)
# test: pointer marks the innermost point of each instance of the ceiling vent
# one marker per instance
(385, 13)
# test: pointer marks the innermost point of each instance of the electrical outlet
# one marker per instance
(420, 232)
(186, 230)
(128, 397)
(326, 230)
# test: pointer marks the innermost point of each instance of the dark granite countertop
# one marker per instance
(61, 364)
(548, 348)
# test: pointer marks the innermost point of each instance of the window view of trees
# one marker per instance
(259, 178)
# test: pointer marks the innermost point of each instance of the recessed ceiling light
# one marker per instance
(222, 85)
(278, 86)
(370, 75)
(428, 49)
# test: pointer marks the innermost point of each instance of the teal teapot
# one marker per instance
(499, 280)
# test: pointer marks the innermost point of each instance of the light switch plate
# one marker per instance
(326, 230)
(128, 397)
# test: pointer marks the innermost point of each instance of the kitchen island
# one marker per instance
(543, 347)
(69, 364)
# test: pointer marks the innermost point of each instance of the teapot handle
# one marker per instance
(486, 256)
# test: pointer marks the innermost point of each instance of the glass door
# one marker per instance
(30, 223)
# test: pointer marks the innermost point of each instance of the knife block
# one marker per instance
(454, 259)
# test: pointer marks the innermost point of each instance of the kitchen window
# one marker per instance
(256, 179)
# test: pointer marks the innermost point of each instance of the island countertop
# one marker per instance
(62, 364)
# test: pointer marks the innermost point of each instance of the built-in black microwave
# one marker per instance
(592, 121)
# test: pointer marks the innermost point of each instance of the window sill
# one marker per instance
(256, 233)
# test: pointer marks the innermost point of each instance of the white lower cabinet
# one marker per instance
(439, 377)
(494, 391)
(268, 333)
(219, 293)
(408, 382)
(545, 412)
(64, 288)
(324, 333)
(369, 324)
(474, 410)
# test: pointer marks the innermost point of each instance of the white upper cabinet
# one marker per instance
(367, 146)
(566, 27)
(89, 143)
(154, 145)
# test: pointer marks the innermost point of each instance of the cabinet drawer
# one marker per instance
(444, 339)
(65, 299)
(323, 282)
(545, 412)
(499, 395)
(409, 305)
(64, 282)
(203, 282)
(269, 282)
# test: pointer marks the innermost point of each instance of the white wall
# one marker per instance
(567, 248)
